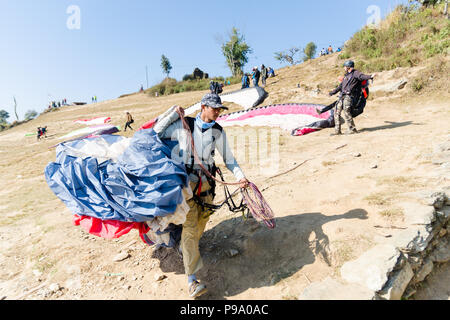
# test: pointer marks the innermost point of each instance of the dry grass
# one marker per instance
(394, 213)
(379, 198)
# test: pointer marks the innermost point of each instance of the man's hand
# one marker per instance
(180, 110)
(243, 183)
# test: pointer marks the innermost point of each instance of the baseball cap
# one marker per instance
(212, 100)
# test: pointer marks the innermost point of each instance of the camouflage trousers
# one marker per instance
(345, 105)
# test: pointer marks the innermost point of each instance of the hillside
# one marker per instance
(329, 210)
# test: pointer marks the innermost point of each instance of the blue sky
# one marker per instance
(41, 59)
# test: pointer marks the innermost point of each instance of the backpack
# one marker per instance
(360, 102)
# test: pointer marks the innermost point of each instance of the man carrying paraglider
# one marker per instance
(350, 88)
(208, 136)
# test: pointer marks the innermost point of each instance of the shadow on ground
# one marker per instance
(265, 256)
(391, 125)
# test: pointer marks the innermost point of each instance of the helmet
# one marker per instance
(349, 64)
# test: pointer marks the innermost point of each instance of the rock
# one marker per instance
(54, 287)
(160, 277)
(37, 273)
(416, 213)
(442, 253)
(121, 256)
(414, 239)
(232, 252)
(437, 200)
(357, 155)
(424, 271)
(330, 289)
(372, 268)
(390, 87)
(374, 166)
(397, 283)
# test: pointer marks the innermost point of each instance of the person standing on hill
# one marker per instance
(350, 89)
(264, 74)
(255, 76)
(245, 81)
(129, 121)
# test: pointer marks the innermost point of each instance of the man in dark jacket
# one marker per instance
(350, 89)
(263, 75)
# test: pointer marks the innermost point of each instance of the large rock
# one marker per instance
(391, 86)
(424, 271)
(442, 252)
(416, 213)
(372, 268)
(397, 283)
(330, 289)
(414, 239)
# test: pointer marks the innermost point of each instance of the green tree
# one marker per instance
(288, 56)
(3, 116)
(165, 65)
(30, 114)
(236, 52)
(309, 51)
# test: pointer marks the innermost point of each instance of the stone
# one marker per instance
(357, 155)
(397, 283)
(391, 86)
(160, 277)
(424, 271)
(331, 289)
(442, 253)
(371, 269)
(437, 199)
(414, 239)
(374, 166)
(446, 191)
(232, 252)
(416, 213)
(54, 287)
(121, 256)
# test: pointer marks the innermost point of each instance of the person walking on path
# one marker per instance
(129, 121)
(350, 88)
(208, 136)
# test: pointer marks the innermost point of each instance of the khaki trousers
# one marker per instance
(193, 229)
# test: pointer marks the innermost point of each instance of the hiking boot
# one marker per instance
(196, 289)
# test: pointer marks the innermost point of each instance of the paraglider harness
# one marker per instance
(359, 102)
(210, 208)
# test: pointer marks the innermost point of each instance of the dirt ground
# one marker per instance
(328, 210)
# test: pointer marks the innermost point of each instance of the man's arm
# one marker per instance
(223, 148)
(361, 76)
(338, 88)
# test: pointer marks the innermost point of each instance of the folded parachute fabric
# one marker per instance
(93, 121)
(113, 180)
(88, 130)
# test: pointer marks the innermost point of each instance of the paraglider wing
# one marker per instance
(285, 116)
